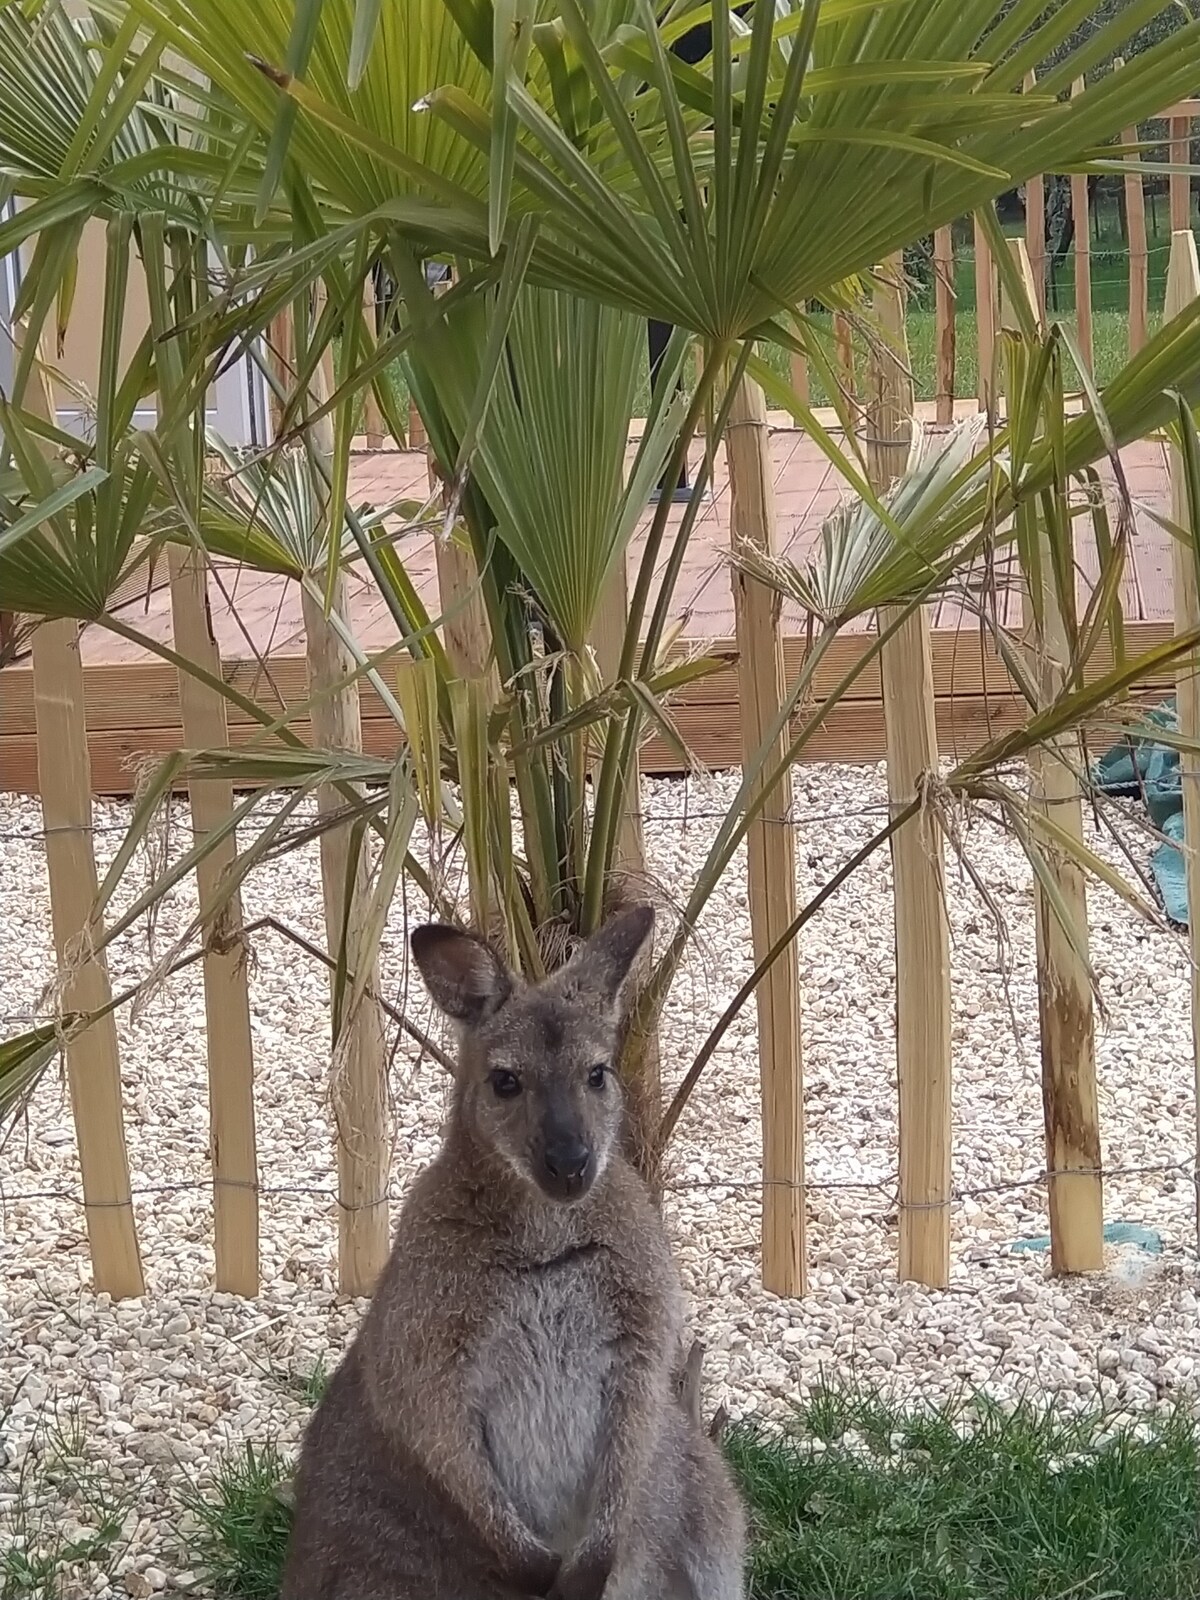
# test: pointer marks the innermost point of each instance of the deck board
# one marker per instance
(133, 704)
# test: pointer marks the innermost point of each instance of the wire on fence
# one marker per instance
(883, 1186)
(684, 816)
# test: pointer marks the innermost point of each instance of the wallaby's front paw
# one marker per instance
(584, 1576)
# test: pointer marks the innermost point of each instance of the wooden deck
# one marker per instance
(132, 697)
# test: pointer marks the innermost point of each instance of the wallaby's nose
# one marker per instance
(568, 1164)
(568, 1160)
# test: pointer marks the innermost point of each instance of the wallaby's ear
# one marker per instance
(601, 966)
(465, 976)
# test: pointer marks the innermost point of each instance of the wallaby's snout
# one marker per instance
(568, 1158)
(537, 1082)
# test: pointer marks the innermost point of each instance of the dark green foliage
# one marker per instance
(1105, 11)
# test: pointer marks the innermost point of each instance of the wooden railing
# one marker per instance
(1179, 118)
(948, 332)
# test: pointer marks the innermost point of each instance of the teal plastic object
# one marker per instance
(1123, 769)
(1147, 1239)
(1138, 768)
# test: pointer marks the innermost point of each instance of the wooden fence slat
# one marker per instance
(1035, 220)
(93, 1064)
(372, 419)
(232, 1142)
(281, 363)
(945, 321)
(843, 342)
(359, 1089)
(1180, 182)
(1139, 254)
(1065, 1008)
(1139, 257)
(922, 935)
(799, 376)
(417, 437)
(1081, 216)
(799, 370)
(629, 858)
(359, 1081)
(770, 853)
(985, 316)
(1035, 235)
(465, 630)
(92, 1057)
(1183, 287)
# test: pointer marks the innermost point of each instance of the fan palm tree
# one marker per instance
(582, 179)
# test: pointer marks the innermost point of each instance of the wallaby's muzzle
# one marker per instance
(568, 1164)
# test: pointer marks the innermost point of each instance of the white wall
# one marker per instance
(237, 407)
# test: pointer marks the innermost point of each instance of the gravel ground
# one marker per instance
(159, 1389)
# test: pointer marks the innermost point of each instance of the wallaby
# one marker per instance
(508, 1422)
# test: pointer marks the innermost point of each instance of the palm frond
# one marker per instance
(549, 456)
(23, 1060)
(865, 560)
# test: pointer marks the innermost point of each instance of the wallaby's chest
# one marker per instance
(543, 1383)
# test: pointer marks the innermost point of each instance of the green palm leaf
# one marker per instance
(718, 216)
(550, 449)
(23, 1060)
(415, 48)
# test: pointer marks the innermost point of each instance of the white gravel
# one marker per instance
(163, 1387)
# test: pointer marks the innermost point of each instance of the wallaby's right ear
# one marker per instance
(466, 978)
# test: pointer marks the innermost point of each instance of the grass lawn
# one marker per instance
(1013, 1507)
(1110, 347)
(866, 1500)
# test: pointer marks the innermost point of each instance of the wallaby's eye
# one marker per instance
(506, 1084)
(597, 1076)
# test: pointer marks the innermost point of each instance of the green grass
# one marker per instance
(1110, 351)
(869, 1500)
(1108, 253)
(41, 1553)
(242, 1525)
(1109, 272)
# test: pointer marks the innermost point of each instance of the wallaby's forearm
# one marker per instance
(632, 1433)
(626, 1460)
(522, 1560)
(447, 1437)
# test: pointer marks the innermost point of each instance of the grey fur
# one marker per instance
(515, 1417)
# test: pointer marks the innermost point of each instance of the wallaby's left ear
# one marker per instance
(602, 965)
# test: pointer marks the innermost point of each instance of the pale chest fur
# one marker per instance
(542, 1383)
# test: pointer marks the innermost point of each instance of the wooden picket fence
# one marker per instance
(1174, 146)
(922, 944)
